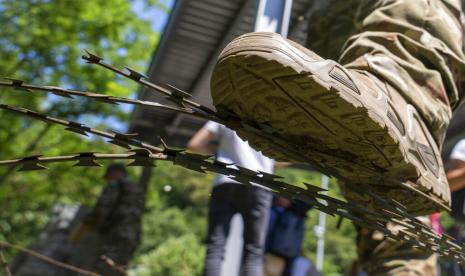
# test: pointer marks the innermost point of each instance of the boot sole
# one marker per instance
(326, 119)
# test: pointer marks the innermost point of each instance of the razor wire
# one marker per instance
(410, 230)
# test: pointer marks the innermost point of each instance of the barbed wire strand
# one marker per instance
(45, 259)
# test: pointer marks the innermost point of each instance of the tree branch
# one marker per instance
(48, 259)
(4, 264)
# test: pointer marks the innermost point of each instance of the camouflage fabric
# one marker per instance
(117, 217)
(380, 256)
(418, 47)
(120, 204)
(415, 45)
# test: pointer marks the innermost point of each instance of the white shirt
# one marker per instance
(458, 152)
(232, 149)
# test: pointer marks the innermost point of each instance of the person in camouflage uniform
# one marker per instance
(421, 42)
(429, 66)
(117, 218)
(380, 256)
(408, 54)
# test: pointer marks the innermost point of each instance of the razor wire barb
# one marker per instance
(140, 153)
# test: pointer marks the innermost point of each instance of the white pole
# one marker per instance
(234, 246)
(273, 16)
(320, 230)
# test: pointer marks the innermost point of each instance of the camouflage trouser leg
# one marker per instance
(379, 256)
(415, 45)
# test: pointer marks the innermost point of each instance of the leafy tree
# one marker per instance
(41, 42)
(180, 256)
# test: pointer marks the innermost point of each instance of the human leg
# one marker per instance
(417, 47)
(219, 217)
(255, 209)
(381, 256)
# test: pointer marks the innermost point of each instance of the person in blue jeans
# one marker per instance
(229, 197)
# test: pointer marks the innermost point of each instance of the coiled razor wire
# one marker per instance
(139, 153)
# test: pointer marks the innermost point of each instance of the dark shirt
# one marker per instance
(119, 209)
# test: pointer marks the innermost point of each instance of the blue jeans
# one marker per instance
(253, 203)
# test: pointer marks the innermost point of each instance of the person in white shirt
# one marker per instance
(229, 197)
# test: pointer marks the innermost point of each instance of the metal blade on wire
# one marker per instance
(115, 137)
(69, 93)
(67, 158)
(173, 94)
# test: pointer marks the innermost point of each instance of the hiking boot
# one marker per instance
(348, 122)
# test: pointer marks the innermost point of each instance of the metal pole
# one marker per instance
(320, 230)
(273, 16)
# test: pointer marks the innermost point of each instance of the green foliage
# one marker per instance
(162, 224)
(175, 224)
(50, 36)
(41, 42)
(447, 221)
(189, 189)
(180, 256)
(176, 214)
(339, 243)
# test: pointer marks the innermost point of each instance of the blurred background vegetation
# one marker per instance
(41, 42)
